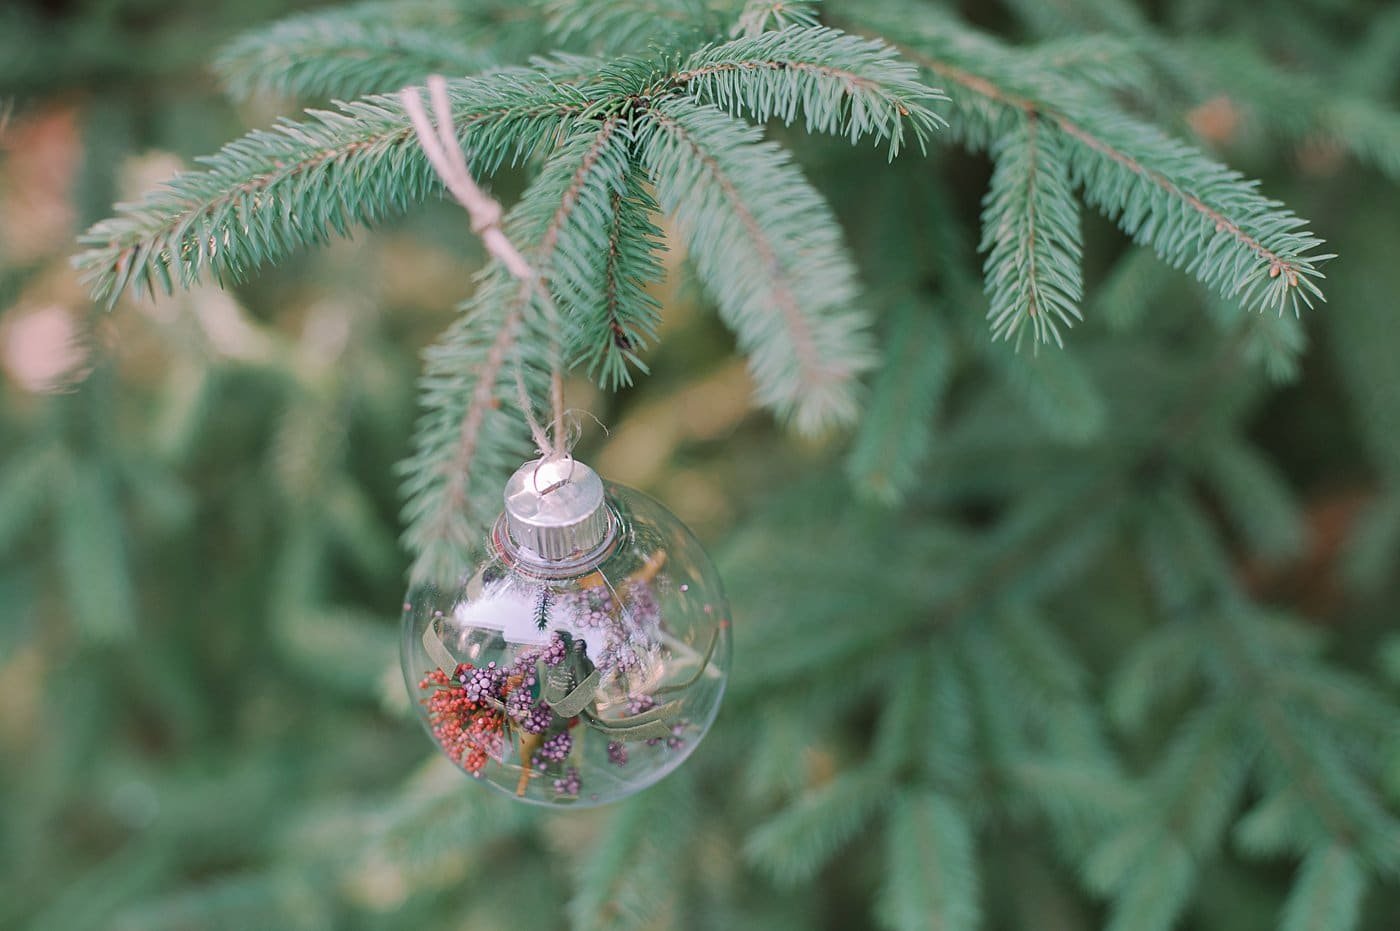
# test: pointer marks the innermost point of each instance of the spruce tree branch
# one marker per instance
(548, 245)
(483, 396)
(1278, 265)
(1014, 555)
(1031, 236)
(1347, 810)
(361, 49)
(1193, 212)
(768, 249)
(842, 84)
(1283, 740)
(445, 155)
(973, 82)
(610, 269)
(897, 428)
(571, 194)
(628, 25)
(849, 79)
(1031, 232)
(1327, 891)
(812, 372)
(612, 316)
(760, 16)
(276, 190)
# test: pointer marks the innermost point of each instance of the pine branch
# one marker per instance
(1274, 342)
(342, 649)
(626, 879)
(842, 84)
(761, 16)
(26, 487)
(1227, 236)
(1157, 669)
(613, 317)
(899, 738)
(444, 153)
(1256, 498)
(93, 553)
(276, 190)
(796, 842)
(1030, 232)
(631, 24)
(466, 437)
(980, 111)
(1277, 825)
(1097, 61)
(1056, 388)
(897, 426)
(930, 867)
(254, 900)
(1300, 743)
(768, 249)
(1327, 893)
(1370, 550)
(1185, 558)
(1155, 896)
(362, 49)
(1041, 733)
(1194, 213)
(950, 757)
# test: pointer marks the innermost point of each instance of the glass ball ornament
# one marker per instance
(585, 657)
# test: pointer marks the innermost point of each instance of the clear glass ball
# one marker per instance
(574, 682)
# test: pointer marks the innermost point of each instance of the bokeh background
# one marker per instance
(201, 719)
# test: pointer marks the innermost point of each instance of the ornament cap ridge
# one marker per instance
(555, 510)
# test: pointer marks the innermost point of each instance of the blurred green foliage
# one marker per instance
(1124, 652)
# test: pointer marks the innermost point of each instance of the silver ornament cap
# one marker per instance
(555, 511)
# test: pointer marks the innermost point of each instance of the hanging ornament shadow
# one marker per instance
(585, 657)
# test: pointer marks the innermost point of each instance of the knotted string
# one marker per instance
(444, 153)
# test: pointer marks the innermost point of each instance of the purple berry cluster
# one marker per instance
(555, 652)
(645, 611)
(524, 666)
(522, 696)
(620, 655)
(569, 784)
(555, 749)
(538, 720)
(533, 715)
(520, 703)
(623, 631)
(483, 682)
(617, 753)
(593, 608)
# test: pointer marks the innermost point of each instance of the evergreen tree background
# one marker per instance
(1064, 577)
